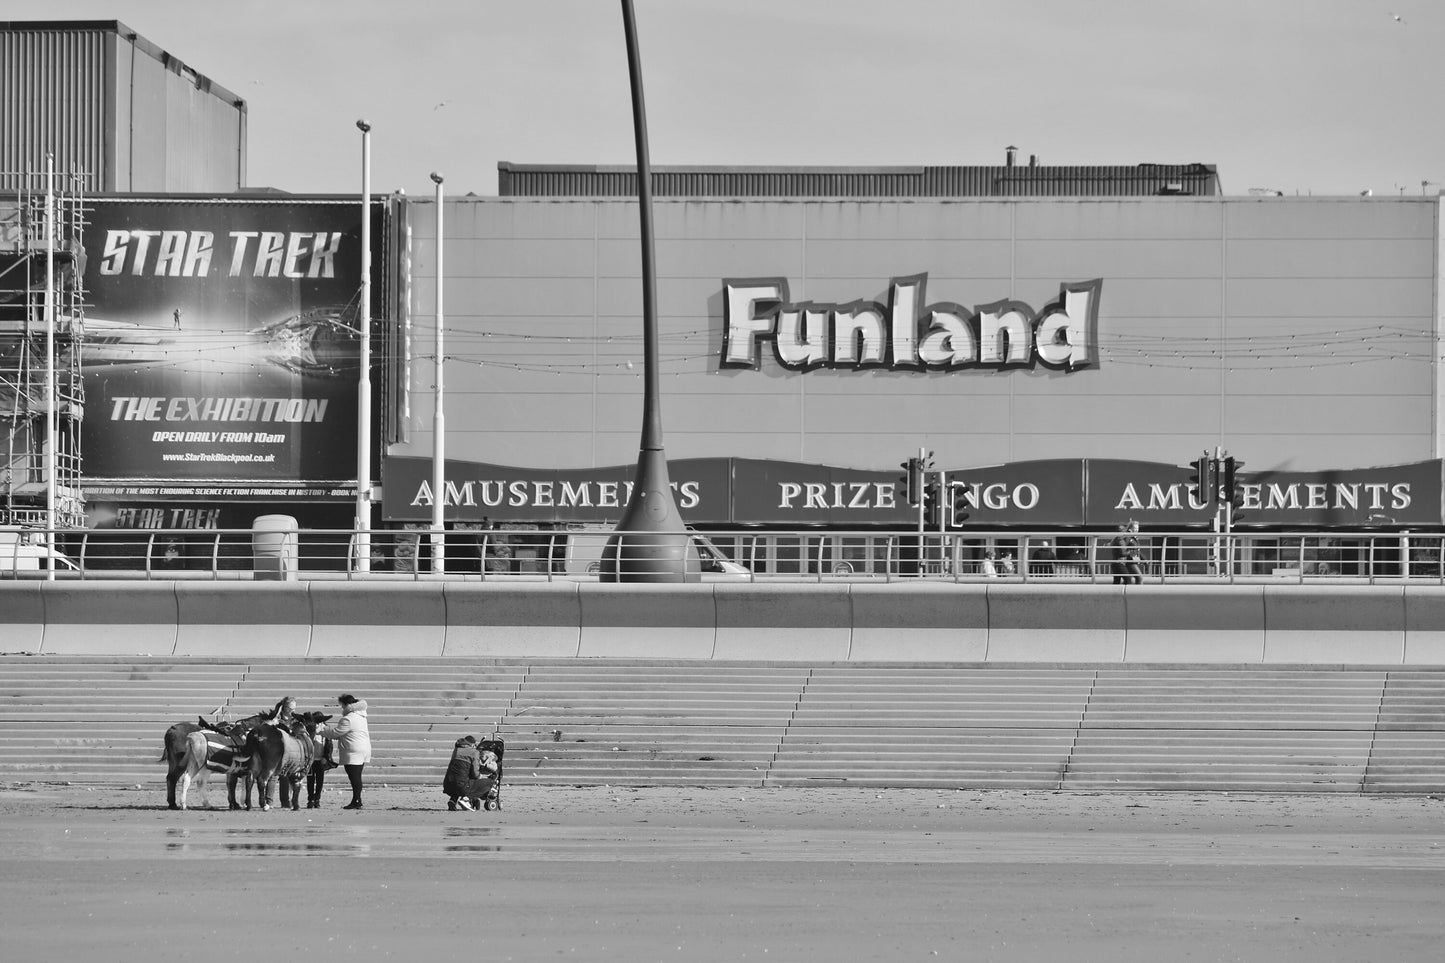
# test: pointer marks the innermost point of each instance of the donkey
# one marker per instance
(207, 751)
(177, 740)
(272, 754)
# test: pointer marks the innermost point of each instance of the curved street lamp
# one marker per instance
(651, 543)
(439, 419)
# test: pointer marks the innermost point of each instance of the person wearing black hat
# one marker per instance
(353, 743)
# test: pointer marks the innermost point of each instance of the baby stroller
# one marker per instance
(489, 786)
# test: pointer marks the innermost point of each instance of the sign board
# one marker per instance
(220, 349)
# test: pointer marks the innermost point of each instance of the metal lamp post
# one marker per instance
(439, 426)
(52, 439)
(651, 543)
(363, 386)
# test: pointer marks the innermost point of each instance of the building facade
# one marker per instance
(115, 110)
(820, 337)
(1059, 344)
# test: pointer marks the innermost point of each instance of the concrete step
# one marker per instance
(740, 725)
(1258, 721)
(902, 714)
(864, 780)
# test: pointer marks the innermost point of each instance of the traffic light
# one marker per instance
(912, 480)
(958, 505)
(1229, 480)
(1202, 481)
(932, 501)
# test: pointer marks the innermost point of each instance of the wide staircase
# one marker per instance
(635, 723)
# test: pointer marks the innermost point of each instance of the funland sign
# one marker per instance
(907, 333)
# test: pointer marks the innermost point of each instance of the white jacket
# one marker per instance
(353, 735)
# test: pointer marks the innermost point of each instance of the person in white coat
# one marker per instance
(353, 743)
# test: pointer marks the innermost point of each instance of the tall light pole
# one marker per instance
(51, 432)
(651, 542)
(363, 385)
(439, 420)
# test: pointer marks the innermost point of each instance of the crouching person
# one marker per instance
(463, 771)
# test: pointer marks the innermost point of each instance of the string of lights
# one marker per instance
(571, 354)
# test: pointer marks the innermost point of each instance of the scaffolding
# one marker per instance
(34, 256)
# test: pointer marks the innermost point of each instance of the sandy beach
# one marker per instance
(723, 874)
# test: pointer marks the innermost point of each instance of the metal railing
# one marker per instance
(547, 554)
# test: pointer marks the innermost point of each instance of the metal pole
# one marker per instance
(50, 399)
(439, 418)
(1226, 509)
(650, 543)
(922, 500)
(942, 522)
(363, 385)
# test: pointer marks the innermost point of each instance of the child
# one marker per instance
(487, 791)
(462, 773)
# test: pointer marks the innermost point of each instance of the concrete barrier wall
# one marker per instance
(1194, 623)
(386, 619)
(22, 617)
(809, 622)
(677, 621)
(531, 619)
(252, 618)
(781, 622)
(1360, 624)
(1055, 623)
(110, 618)
(1425, 625)
(919, 622)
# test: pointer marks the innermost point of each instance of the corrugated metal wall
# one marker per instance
(53, 101)
(201, 133)
(526, 180)
(116, 108)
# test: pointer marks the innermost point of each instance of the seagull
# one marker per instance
(444, 103)
(1397, 18)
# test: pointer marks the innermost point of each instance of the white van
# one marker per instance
(19, 554)
(584, 556)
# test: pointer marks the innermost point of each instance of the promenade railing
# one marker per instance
(477, 554)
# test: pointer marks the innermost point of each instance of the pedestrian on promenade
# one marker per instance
(1127, 561)
(1043, 559)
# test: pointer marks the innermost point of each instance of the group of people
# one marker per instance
(995, 563)
(351, 735)
(1126, 561)
(473, 773)
(1041, 561)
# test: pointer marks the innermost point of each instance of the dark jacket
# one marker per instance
(463, 770)
(1125, 547)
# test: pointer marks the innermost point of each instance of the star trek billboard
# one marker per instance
(220, 344)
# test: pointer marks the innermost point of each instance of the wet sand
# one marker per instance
(725, 874)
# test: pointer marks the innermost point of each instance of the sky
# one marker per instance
(1321, 97)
